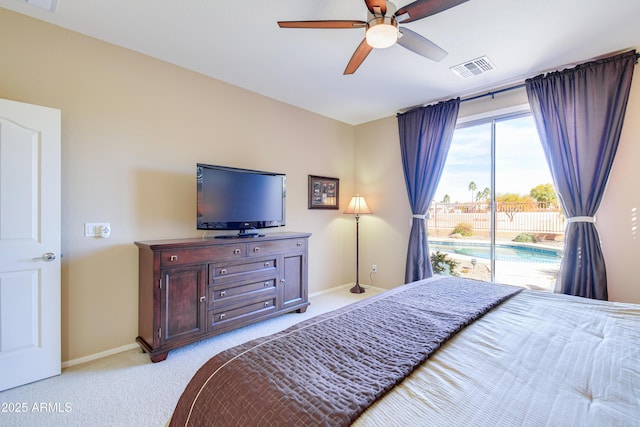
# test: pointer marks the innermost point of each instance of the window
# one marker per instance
(495, 215)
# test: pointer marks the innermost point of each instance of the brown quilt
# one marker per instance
(329, 369)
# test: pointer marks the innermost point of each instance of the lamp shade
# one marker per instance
(357, 206)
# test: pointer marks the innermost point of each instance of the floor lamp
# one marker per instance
(356, 207)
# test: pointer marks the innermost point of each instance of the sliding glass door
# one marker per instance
(495, 216)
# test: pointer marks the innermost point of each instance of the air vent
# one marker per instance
(49, 5)
(474, 67)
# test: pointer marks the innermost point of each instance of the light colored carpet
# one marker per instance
(126, 389)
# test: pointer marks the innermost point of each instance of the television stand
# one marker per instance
(192, 289)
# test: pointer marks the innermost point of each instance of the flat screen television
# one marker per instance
(239, 199)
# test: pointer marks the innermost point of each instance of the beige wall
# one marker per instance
(618, 219)
(385, 234)
(133, 129)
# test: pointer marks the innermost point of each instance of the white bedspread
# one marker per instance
(539, 359)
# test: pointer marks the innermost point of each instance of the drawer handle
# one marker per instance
(173, 258)
(266, 303)
(282, 281)
(267, 284)
(203, 299)
(222, 316)
(223, 271)
(236, 251)
(266, 264)
(299, 244)
(223, 293)
(256, 249)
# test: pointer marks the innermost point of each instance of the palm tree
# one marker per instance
(483, 195)
(472, 187)
(446, 198)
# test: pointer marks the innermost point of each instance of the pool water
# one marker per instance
(504, 252)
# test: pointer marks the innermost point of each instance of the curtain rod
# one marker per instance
(493, 92)
(507, 89)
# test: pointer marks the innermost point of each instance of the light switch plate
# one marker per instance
(94, 229)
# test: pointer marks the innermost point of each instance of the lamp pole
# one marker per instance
(357, 289)
(356, 207)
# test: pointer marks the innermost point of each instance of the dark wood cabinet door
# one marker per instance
(183, 305)
(294, 279)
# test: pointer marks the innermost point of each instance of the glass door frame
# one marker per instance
(493, 118)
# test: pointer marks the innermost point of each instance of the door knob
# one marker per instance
(48, 257)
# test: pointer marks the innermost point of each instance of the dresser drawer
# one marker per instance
(171, 258)
(237, 270)
(227, 317)
(230, 293)
(275, 246)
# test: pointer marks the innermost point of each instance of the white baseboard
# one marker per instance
(100, 355)
(325, 291)
(347, 286)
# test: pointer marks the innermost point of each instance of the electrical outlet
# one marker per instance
(374, 268)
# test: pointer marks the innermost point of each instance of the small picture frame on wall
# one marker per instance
(324, 192)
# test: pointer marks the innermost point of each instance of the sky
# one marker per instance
(520, 161)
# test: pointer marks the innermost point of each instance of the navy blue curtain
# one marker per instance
(425, 137)
(579, 115)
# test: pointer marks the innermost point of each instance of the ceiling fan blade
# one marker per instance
(358, 57)
(373, 4)
(422, 8)
(322, 24)
(420, 45)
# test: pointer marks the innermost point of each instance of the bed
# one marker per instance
(444, 351)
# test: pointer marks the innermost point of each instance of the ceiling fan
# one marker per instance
(382, 28)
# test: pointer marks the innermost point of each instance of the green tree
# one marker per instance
(483, 195)
(472, 187)
(512, 198)
(512, 203)
(446, 199)
(544, 194)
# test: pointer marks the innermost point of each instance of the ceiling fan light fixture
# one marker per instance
(382, 32)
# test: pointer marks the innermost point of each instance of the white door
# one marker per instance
(29, 243)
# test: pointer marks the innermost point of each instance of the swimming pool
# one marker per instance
(504, 252)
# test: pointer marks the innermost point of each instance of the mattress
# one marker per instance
(539, 359)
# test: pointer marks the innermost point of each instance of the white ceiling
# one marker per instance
(240, 43)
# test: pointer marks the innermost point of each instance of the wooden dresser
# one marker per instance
(192, 289)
